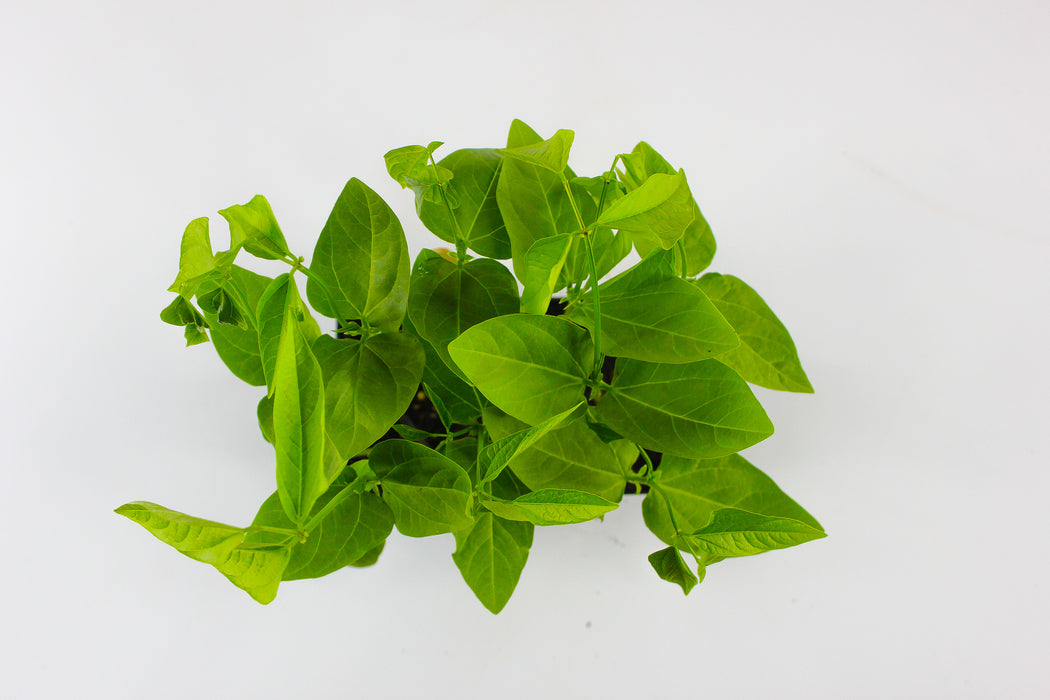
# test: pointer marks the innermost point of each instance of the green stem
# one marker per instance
(594, 280)
(461, 241)
(366, 328)
(354, 487)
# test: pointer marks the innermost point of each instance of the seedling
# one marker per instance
(544, 419)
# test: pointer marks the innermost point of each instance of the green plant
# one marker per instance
(535, 428)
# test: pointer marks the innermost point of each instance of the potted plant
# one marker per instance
(535, 419)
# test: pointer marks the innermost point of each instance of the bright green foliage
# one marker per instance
(360, 265)
(443, 400)
(476, 217)
(766, 355)
(491, 556)
(569, 457)
(253, 227)
(368, 384)
(529, 366)
(551, 507)
(254, 570)
(670, 566)
(649, 314)
(447, 298)
(658, 211)
(353, 527)
(428, 492)
(698, 243)
(543, 265)
(693, 489)
(738, 533)
(238, 347)
(277, 301)
(701, 409)
(298, 419)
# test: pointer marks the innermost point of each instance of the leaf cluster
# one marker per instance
(543, 419)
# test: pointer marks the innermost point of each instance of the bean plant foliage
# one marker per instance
(545, 419)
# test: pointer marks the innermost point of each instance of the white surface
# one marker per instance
(879, 173)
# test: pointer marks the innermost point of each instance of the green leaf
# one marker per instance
(428, 492)
(698, 242)
(570, 457)
(359, 524)
(738, 533)
(264, 412)
(414, 434)
(496, 455)
(701, 409)
(360, 264)
(659, 211)
(543, 265)
(454, 400)
(521, 134)
(368, 385)
(491, 556)
(218, 303)
(409, 162)
(551, 507)
(475, 216)
(534, 203)
(670, 566)
(552, 154)
(766, 355)
(238, 347)
(447, 298)
(298, 418)
(271, 310)
(532, 367)
(664, 321)
(256, 571)
(695, 489)
(181, 313)
(370, 558)
(196, 260)
(253, 227)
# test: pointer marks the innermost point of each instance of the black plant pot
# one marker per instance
(422, 416)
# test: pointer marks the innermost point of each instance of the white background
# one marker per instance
(878, 171)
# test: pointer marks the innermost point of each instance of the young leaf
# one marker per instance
(196, 260)
(664, 321)
(496, 455)
(253, 227)
(670, 566)
(298, 419)
(694, 489)
(532, 367)
(659, 211)
(738, 533)
(238, 347)
(256, 571)
(698, 242)
(543, 265)
(551, 507)
(360, 264)
(448, 298)
(552, 154)
(533, 202)
(428, 492)
(491, 556)
(368, 385)
(701, 409)
(766, 355)
(220, 306)
(476, 216)
(276, 301)
(409, 162)
(181, 313)
(356, 526)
